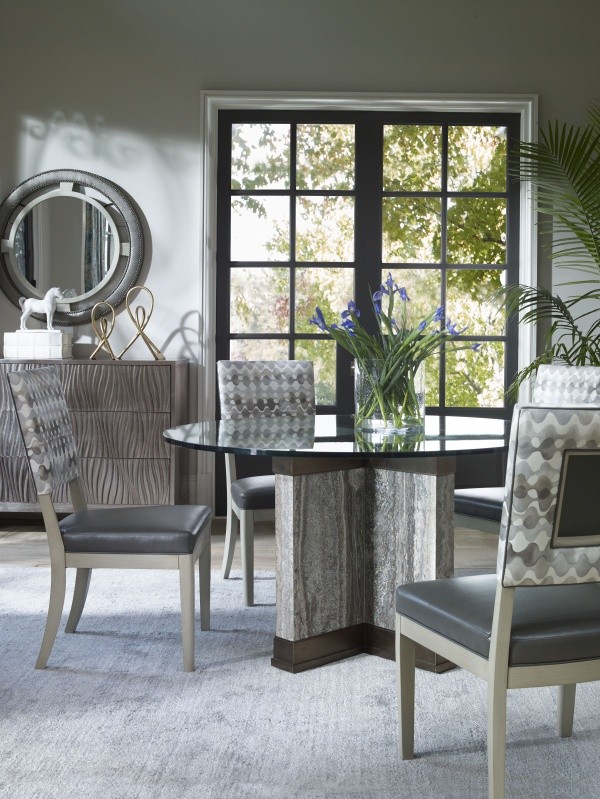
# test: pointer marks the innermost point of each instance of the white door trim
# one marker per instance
(214, 101)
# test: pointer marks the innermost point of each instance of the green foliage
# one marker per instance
(564, 168)
(411, 232)
(397, 350)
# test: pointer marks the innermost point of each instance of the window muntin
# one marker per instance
(442, 230)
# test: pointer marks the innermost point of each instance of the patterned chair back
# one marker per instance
(559, 384)
(251, 389)
(550, 529)
(45, 426)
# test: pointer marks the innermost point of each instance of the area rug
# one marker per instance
(115, 717)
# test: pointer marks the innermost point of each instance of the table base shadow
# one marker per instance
(310, 653)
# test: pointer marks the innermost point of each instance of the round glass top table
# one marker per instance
(356, 514)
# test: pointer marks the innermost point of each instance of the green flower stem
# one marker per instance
(397, 349)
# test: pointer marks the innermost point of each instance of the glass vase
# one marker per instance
(384, 401)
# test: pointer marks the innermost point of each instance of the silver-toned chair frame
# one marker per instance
(495, 670)
(84, 562)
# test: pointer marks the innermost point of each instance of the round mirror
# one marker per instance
(74, 230)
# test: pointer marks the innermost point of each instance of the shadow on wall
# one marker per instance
(81, 138)
(163, 178)
(187, 337)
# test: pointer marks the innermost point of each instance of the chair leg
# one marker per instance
(204, 583)
(247, 541)
(566, 709)
(231, 532)
(186, 588)
(55, 607)
(405, 674)
(82, 584)
(496, 741)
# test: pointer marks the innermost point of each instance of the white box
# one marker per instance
(38, 345)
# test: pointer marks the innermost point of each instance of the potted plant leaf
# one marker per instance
(564, 169)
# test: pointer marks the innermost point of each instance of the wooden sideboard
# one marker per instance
(119, 410)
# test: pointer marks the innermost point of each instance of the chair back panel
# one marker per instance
(45, 426)
(540, 436)
(251, 389)
(560, 384)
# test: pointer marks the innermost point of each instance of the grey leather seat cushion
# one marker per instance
(550, 623)
(485, 503)
(151, 529)
(254, 493)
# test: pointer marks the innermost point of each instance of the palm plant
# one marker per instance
(564, 168)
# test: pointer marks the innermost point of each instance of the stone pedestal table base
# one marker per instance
(348, 532)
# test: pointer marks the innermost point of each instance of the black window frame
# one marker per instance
(368, 263)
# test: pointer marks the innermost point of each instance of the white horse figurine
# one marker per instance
(46, 306)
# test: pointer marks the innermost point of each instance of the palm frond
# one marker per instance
(564, 168)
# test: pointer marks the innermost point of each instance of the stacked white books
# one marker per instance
(38, 344)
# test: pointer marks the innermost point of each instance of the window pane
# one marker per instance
(322, 354)
(469, 300)
(260, 229)
(476, 379)
(325, 229)
(476, 158)
(258, 350)
(325, 157)
(260, 156)
(476, 230)
(424, 289)
(411, 230)
(330, 289)
(432, 381)
(260, 300)
(412, 158)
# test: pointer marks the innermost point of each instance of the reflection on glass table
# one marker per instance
(334, 436)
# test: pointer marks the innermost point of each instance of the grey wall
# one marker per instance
(113, 87)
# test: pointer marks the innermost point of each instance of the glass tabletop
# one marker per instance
(335, 436)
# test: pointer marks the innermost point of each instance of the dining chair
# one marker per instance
(537, 621)
(481, 508)
(148, 537)
(257, 390)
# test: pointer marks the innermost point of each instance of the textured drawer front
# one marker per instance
(106, 482)
(16, 484)
(118, 411)
(11, 442)
(126, 482)
(126, 387)
(121, 435)
(94, 386)
(106, 435)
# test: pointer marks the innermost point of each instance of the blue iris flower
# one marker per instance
(376, 304)
(318, 319)
(475, 347)
(348, 324)
(403, 295)
(352, 309)
(423, 325)
(452, 329)
(439, 314)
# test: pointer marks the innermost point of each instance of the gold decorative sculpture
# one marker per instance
(103, 328)
(140, 318)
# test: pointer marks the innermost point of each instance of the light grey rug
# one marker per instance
(115, 717)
